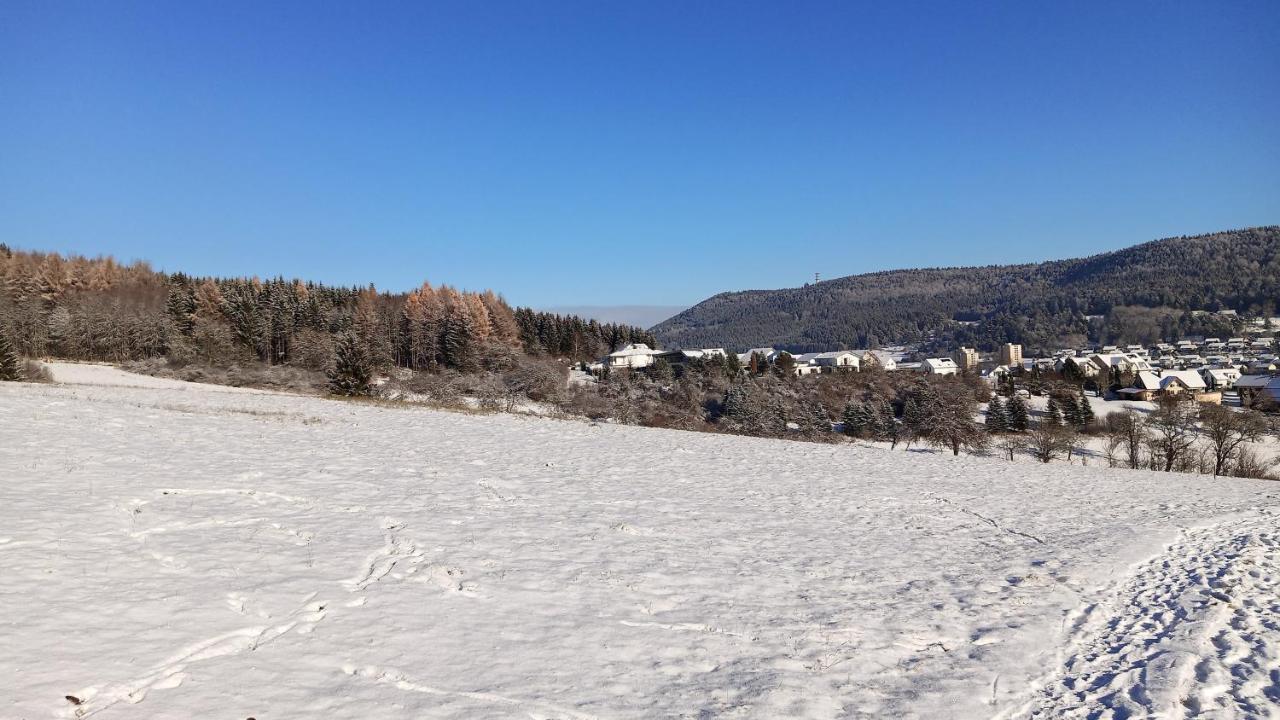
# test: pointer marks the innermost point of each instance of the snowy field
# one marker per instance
(180, 551)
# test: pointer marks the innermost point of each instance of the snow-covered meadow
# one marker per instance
(172, 550)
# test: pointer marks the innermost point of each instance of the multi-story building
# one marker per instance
(967, 359)
(1011, 354)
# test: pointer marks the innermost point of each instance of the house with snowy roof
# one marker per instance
(1151, 385)
(1220, 378)
(1256, 390)
(939, 366)
(632, 357)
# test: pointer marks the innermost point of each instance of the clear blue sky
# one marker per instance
(642, 152)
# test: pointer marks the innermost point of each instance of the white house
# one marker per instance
(882, 359)
(939, 366)
(1149, 385)
(1220, 378)
(679, 357)
(769, 355)
(1083, 365)
(842, 359)
(632, 357)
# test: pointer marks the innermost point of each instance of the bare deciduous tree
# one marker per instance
(1126, 430)
(1047, 441)
(1012, 444)
(1172, 429)
(1228, 431)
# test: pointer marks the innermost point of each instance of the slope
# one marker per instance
(172, 550)
(1036, 304)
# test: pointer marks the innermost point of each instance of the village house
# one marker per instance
(1259, 390)
(683, 357)
(632, 357)
(939, 366)
(837, 360)
(769, 354)
(1220, 378)
(875, 359)
(1121, 362)
(1079, 364)
(1150, 386)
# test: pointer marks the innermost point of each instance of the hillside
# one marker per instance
(1040, 304)
(171, 549)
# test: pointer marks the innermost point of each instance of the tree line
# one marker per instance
(98, 309)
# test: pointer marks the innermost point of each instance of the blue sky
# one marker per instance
(629, 153)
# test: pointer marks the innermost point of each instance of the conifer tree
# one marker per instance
(886, 423)
(1070, 410)
(181, 304)
(351, 373)
(857, 419)
(997, 416)
(817, 421)
(1016, 409)
(914, 421)
(10, 365)
(1053, 413)
(1086, 410)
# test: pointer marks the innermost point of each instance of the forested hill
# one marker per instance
(1144, 291)
(98, 309)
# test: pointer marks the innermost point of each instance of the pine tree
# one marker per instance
(914, 419)
(1053, 413)
(1086, 410)
(181, 304)
(10, 365)
(816, 420)
(351, 373)
(1016, 409)
(997, 416)
(1070, 410)
(662, 370)
(857, 419)
(887, 425)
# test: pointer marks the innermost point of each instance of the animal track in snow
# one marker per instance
(171, 673)
(449, 578)
(382, 561)
(535, 709)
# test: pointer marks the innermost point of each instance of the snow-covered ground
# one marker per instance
(179, 551)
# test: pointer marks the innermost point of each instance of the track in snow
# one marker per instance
(1195, 632)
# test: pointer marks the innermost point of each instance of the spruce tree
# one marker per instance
(888, 427)
(915, 420)
(817, 421)
(1086, 410)
(1016, 409)
(351, 373)
(1053, 413)
(10, 365)
(857, 419)
(997, 417)
(1070, 410)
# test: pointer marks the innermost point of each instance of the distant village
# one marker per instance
(1245, 368)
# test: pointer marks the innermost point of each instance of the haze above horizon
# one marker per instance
(596, 154)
